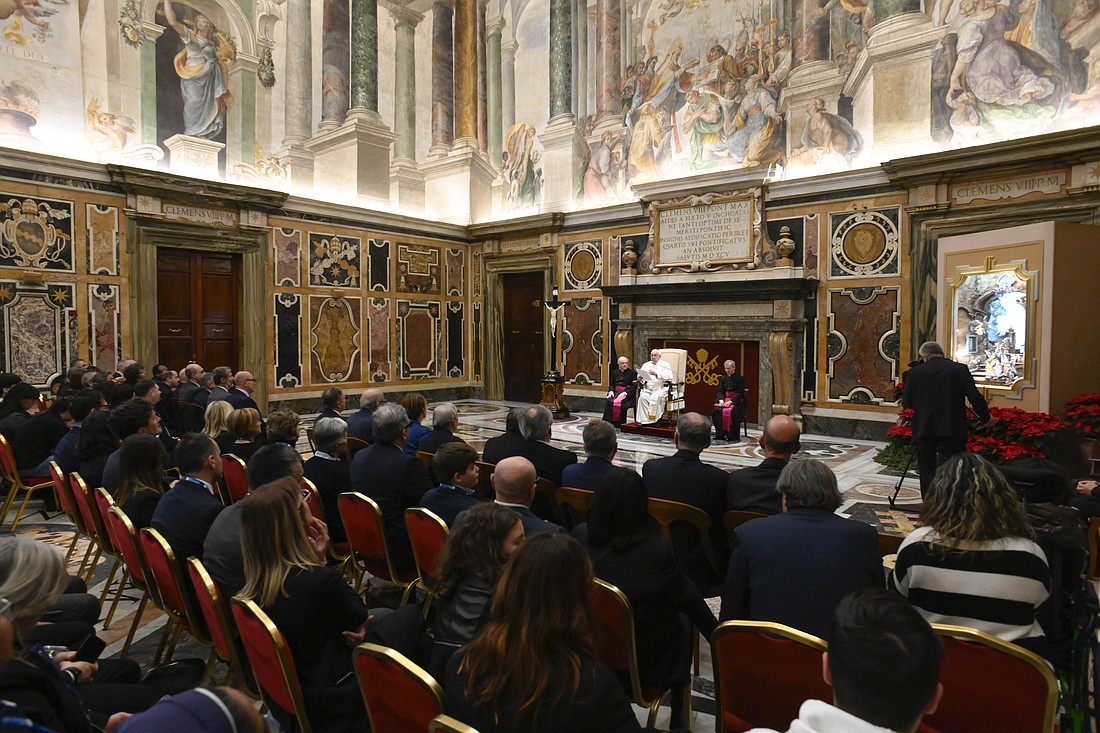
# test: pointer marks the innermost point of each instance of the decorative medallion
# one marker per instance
(865, 243)
(583, 265)
(36, 234)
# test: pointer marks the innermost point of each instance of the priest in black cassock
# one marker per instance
(729, 404)
(621, 395)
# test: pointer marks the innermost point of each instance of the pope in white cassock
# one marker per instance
(655, 375)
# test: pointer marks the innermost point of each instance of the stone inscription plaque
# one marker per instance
(715, 232)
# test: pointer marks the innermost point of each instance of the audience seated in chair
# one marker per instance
(130, 417)
(622, 395)
(329, 471)
(600, 445)
(795, 567)
(95, 446)
(81, 405)
(241, 436)
(333, 403)
(39, 436)
(142, 460)
(883, 664)
(416, 408)
(753, 489)
(283, 426)
(185, 514)
(729, 404)
(244, 384)
(456, 463)
(444, 425)
(359, 424)
(514, 485)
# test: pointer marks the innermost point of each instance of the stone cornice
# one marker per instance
(710, 291)
(172, 186)
(524, 226)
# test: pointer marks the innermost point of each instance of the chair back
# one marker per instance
(427, 535)
(313, 499)
(84, 501)
(888, 544)
(166, 575)
(991, 686)
(426, 458)
(734, 518)
(447, 724)
(677, 359)
(399, 695)
(548, 490)
(215, 612)
(65, 497)
(309, 439)
(234, 479)
(367, 536)
(574, 502)
(191, 417)
(355, 445)
(763, 672)
(102, 505)
(614, 632)
(271, 661)
(667, 513)
(129, 548)
(484, 486)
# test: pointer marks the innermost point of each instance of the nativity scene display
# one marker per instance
(992, 334)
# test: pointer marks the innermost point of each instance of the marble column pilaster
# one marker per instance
(364, 57)
(482, 81)
(561, 59)
(561, 160)
(298, 89)
(628, 47)
(466, 74)
(580, 92)
(335, 71)
(443, 90)
(406, 180)
(496, 135)
(508, 84)
(608, 62)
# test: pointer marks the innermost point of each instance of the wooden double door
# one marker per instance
(198, 306)
(522, 321)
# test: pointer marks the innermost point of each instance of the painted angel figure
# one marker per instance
(203, 68)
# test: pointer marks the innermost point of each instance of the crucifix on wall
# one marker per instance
(553, 384)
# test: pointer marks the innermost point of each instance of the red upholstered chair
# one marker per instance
(426, 458)
(574, 502)
(991, 686)
(427, 534)
(367, 537)
(668, 513)
(100, 507)
(615, 647)
(355, 445)
(447, 724)
(15, 484)
(271, 662)
(218, 618)
(68, 505)
(83, 498)
(763, 672)
(165, 572)
(399, 695)
(126, 541)
(234, 483)
(338, 551)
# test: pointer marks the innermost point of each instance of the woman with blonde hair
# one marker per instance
(283, 426)
(533, 666)
(216, 415)
(974, 562)
(310, 603)
(242, 429)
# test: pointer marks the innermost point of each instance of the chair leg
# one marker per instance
(22, 508)
(9, 499)
(110, 580)
(209, 669)
(87, 554)
(695, 650)
(118, 595)
(168, 628)
(653, 708)
(134, 625)
(95, 560)
(72, 546)
(172, 644)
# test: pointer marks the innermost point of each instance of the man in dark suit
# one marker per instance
(753, 489)
(729, 404)
(184, 514)
(219, 390)
(536, 425)
(620, 397)
(937, 391)
(513, 481)
(683, 477)
(206, 386)
(244, 384)
(508, 443)
(394, 479)
(456, 466)
(190, 383)
(359, 424)
(600, 445)
(333, 403)
(444, 425)
(795, 567)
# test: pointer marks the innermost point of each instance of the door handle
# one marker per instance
(218, 330)
(175, 330)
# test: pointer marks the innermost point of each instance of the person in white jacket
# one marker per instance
(883, 664)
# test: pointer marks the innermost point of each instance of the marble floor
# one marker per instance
(865, 486)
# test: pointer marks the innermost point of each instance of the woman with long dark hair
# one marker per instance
(94, 446)
(975, 562)
(15, 408)
(141, 462)
(469, 567)
(628, 552)
(416, 407)
(533, 666)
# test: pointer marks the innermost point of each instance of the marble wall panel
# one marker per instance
(334, 339)
(582, 264)
(614, 262)
(418, 269)
(418, 339)
(287, 256)
(864, 243)
(38, 331)
(104, 327)
(379, 314)
(797, 226)
(379, 265)
(812, 245)
(288, 341)
(334, 260)
(101, 222)
(862, 345)
(582, 341)
(456, 272)
(456, 340)
(37, 233)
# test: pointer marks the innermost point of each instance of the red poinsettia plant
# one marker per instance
(1083, 411)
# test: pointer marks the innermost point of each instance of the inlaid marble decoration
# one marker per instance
(37, 329)
(418, 339)
(583, 265)
(456, 271)
(36, 233)
(288, 340)
(101, 223)
(418, 269)
(862, 345)
(333, 260)
(797, 226)
(334, 339)
(811, 245)
(864, 243)
(456, 337)
(287, 244)
(379, 312)
(379, 265)
(614, 262)
(104, 328)
(582, 341)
